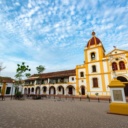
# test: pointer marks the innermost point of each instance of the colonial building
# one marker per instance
(89, 78)
(62, 82)
(9, 89)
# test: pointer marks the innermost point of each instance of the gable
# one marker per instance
(117, 51)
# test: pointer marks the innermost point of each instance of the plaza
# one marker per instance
(56, 113)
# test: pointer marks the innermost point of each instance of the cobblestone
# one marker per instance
(52, 113)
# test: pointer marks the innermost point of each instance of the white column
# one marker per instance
(34, 90)
(41, 90)
(13, 90)
(65, 91)
(47, 92)
(35, 82)
(22, 90)
(48, 80)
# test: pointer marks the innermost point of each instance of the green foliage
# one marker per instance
(21, 72)
(22, 68)
(40, 69)
(96, 94)
(18, 75)
(27, 75)
(18, 95)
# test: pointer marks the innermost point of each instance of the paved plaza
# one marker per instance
(53, 113)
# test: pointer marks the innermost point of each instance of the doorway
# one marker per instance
(124, 81)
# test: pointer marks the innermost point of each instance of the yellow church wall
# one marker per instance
(82, 82)
(77, 84)
(81, 70)
(87, 79)
(100, 49)
(97, 64)
(106, 82)
(105, 66)
(99, 88)
(104, 71)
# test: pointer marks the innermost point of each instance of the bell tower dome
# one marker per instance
(94, 50)
(93, 41)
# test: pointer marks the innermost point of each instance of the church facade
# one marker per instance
(89, 78)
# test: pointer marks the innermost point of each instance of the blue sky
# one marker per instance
(54, 33)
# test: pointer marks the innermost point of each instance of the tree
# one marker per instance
(27, 75)
(1, 68)
(40, 69)
(21, 72)
(22, 68)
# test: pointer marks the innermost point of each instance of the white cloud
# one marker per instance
(121, 27)
(65, 2)
(55, 33)
(29, 4)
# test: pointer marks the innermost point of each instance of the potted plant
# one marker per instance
(18, 95)
(97, 94)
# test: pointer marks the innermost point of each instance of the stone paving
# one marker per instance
(53, 113)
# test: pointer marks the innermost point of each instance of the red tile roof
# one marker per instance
(65, 73)
(6, 79)
(93, 41)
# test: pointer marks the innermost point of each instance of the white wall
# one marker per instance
(97, 67)
(105, 66)
(89, 54)
(70, 78)
(12, 90)
(81, 70)
(106, 82)
(99, 83)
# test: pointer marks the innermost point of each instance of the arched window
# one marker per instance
(93, 56)
(93, 68)
(114, 66)
(44, 89)
(32, 90)
(59, 88)
(81, 74)
(121, 65)
(95, 82)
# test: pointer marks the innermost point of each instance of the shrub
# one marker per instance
(96, 94)
(18, 95)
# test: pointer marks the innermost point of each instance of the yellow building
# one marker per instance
(98, 69)
(89, 78)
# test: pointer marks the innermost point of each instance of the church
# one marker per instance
(90, 78)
